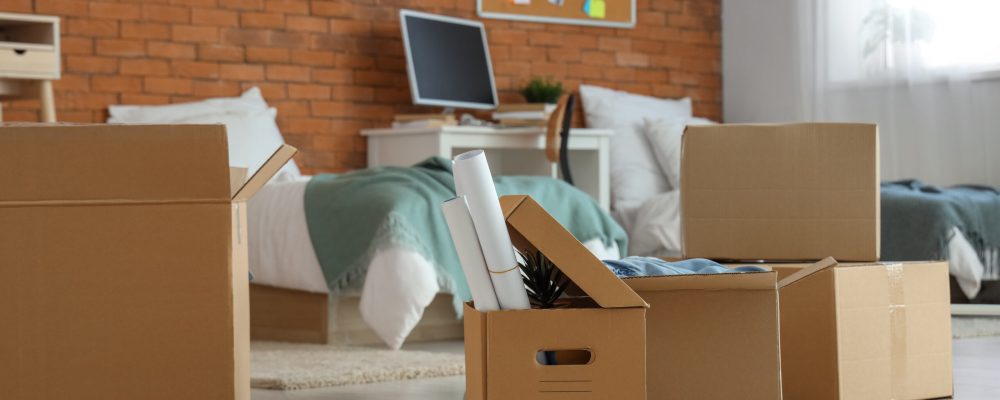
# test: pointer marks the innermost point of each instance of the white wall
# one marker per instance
(943, 132)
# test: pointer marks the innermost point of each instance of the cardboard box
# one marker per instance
(608, 327)
(780, 192)
(711, 336)
(123, 263)
(866, 331)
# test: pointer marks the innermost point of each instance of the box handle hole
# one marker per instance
(564, 357)
(20, 52)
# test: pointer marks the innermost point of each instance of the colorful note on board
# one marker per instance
(595, 8)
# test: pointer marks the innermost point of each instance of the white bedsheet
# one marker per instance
(399, 283)
(654, 229)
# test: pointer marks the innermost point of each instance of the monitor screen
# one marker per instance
(448, 61)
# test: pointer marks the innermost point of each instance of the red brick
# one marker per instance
(332, 8)
(242, 4)
(196, 34)
(632, 59)
(332, 75)
(270, 90)
(306, 24)
(121, 47)
(292, 108)
(353, 93)
(103, 10)
(116, 84)
(268, 54)
(241, 72)
(287, 73)
(72, 82)
(165, 13)
(91, 27)
(171, 86)
(21, 6)
(216, 89)
(287, 6)
(91, 64)
(145, 67)
(244, 36)
(215, 17)
(62, 7)
(612, 43)
(131, 98)
(313, 57)
(306, 125)
(77, 45)
(331, 109)
(350, 27)
(354, 61)
(262, 20)
(195, 69)
(170, 50)
(145, 30)
(214, 52)
(288, 39)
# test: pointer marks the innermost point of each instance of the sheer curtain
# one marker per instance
(927, 71)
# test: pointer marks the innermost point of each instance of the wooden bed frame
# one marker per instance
(287, 315)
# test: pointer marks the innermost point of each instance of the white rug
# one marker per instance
(286, 366)
(974, 326)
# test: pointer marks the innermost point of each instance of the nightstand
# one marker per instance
(511, 151)
(29, 59)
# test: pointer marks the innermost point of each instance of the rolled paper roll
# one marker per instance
(474, 181)
(463, 234)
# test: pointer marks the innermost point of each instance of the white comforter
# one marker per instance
(399, 283)
(654, 229)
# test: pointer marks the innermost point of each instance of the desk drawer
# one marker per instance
(28, 63)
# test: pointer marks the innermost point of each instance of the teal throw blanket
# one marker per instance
(352, 215)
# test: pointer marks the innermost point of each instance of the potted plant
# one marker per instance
(541, 90)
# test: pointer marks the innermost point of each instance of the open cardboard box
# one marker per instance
(866, 331)
(711, 336)
(123, 262)
(781, 192)
(608, 327)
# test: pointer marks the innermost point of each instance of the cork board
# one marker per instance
(609, 13)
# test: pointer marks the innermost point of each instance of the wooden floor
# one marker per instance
(977, 377)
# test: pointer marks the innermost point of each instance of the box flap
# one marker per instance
(265, 173)
(532, 226)
(781, 192)
(113, 163)
(823, 264)
(237, 177)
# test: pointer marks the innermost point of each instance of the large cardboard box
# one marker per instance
(711, 336)
(123, 263)
(608, 327)
(866, 331)
(780, 192)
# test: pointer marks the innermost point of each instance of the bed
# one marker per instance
(395, 289)
(282, 256)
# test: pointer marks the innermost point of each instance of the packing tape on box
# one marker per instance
(897, 327)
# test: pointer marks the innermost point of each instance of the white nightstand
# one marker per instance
(511, 151)
(29, 59)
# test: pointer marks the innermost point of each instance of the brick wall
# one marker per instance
(334, 67)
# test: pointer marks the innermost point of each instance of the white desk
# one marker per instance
(511, 151)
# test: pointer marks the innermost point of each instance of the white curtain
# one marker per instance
(927, 71)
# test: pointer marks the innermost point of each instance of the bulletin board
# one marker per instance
(608, 13)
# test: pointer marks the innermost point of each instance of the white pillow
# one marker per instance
(635, 176)
(664, 136)
(253, 137)
(249, 101)
(252, 132)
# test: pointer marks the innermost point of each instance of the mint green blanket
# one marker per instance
(352, 215)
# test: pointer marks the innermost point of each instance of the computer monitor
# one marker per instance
(448, 61)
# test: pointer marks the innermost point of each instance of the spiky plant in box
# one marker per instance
(542, 279)
(540, 90)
